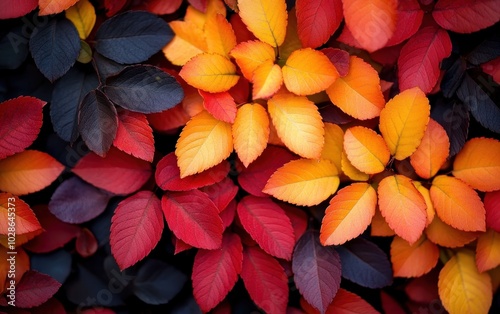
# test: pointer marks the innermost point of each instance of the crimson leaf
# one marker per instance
(34, 289)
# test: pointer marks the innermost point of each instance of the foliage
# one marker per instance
(157, 152)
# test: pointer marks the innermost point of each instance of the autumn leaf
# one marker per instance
(413, 260)
(445, 235)
(304, 182)
(134, 136)
(366, 149)
(379, 226)
(428, 202)
(54, 6)
(220, 105)
(350, 171)
(267, 80)
(334, 144)
(25, 219)
(83, 16)
(219, 35)
(203, 143)
(488, 250)
(188, 42)
(317, 20)
(249, 55)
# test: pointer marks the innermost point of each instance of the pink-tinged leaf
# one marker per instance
(162, 7)
(347, 38)
(268, 225)
(221, 193)
(298, 218)
(193, 218)
(168, 176)
(180, 246)
(418, 63)
(134, 135)
(136, 228)
(492, 206)
(20, 120)
(228, 214)
(86, 244)
(221, 105)
(114, 6)
(265, 280)
(35, 289)
(317, 271)
(410, 18)
(317, 20)
(200, 5)
(215, 272)
(118, 172)
(339, 58)
(466, 16)
(23, 7)
(346, 302)
(254, 178)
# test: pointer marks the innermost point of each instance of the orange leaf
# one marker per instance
(334, 144)
(402, 206)
(403, 122)
(28, 172)
(304, 182)
(298, 123)
(219, 35)
(380, 227)
(203, 143)
(250, 132)
(24, 218)
(488, 250)
(462, 289)
(249, 55)
(189, 41)
(478, 164)
(413, 260)
(457, 204)
(265, 19)
(349, 214)
(54, 6)
(428, 202)
(432, 152)
(447, 236)
(267, 80)
(371, 23)
(350, 171)
(358, 93)
(210, 72)
(308, 71)
(366, 149)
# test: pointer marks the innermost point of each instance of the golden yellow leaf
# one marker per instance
(304, 182)
(203, 143)
(267, 80)
(249, 55)
(267, 20)
(250, 132)
(428, 202)
(298, 123)
(350, 171)
(462, 289)
(82, 14)
(366, 149)
(188, 42)
(219, 35)
(403, 122)
(334, 144)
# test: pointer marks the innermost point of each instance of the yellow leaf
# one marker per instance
(488, 250)
(366, 149)
(219, 35)
(462, 289)
(250, 132)
(210, 72)
(428, 202)
(308, 71)
(403, 122)
(188, 42)
(298, 123)
(478, 164)
(304, 182)
(457, 204)
(350, 171)
(413, 260)
(402, 206)
(334, 144)
(82, 14)
(203, 143)
(249, 55)
(267, 80)
(292, 41)
(358, 93)
(445, 235)
(349, 214)
(265, 19)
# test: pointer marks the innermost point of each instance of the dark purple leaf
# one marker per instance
(55, 47)
(453, 77)
(132, 37)
(106, 67)
(454, 118)
(334, 114)
(34, 289)
(365, 263)
(97, 122)
(67, 95)
(144, 88)
(317, 271)
(486, 51)
(76, 201)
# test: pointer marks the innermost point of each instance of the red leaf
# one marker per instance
(254, 178)
(200, 5)
(169, 120)
(162, 7)
(346, 302)
(215, 272)
(265, 280)
(424, 289)
(492, 68)
(410, 18)
(86, 243)
(20, 121)
(347, 38)
(240, 30)
(114, 6)
(418, 63)
(180, 246)
(227, 215)
(193, 218)
(220, 105)
(34, 289)
(168, 176)
(136, 228)
(492, 206)
(339, 58)
(466, 16)
(134, 135)
(23, 7)
(221, 193)
(117, 172)
(268, 225)
(317, 20)
(390, 305)
(25, 218)
(298, 218)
